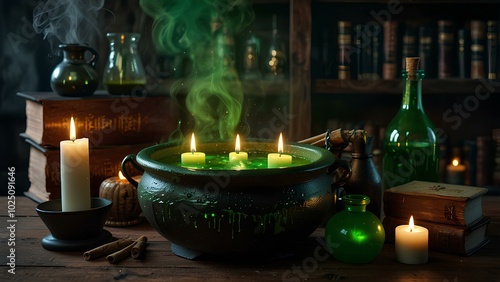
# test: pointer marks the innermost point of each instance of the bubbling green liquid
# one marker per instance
(221, 162)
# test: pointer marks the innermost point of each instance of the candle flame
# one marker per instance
(120, 175)
(72, 130)
(412, 224)
(237, 146)
(193, 144)
(280, 144)
(455, 162)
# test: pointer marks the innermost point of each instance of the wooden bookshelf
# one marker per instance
(381, 87)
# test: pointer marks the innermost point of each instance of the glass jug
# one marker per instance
(124, 72)
(75, 76)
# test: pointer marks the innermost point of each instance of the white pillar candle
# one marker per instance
(75, 172)
(237, 156)
(275, 160)
(193, 158)
(412, 243)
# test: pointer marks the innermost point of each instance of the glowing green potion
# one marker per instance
(355, 235)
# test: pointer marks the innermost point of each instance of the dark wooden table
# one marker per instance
(33, 262)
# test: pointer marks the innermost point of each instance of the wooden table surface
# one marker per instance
(33, 262)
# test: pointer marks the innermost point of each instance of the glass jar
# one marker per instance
(124, 72)
(355, 235)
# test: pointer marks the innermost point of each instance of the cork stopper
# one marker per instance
(412, 66)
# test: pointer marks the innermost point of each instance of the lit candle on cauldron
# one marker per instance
(279, 159)
(412, 243)
(193, 158)
(237, 156)
(75, 172)
(455, 172)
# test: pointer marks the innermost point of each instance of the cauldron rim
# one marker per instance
(321, 158)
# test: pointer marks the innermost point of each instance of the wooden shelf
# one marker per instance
(250, 87)
(409, 1)
(430, 86)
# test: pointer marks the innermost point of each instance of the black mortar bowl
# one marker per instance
(234, 211)
(74, 225)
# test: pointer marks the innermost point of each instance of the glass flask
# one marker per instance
(276, 62)
(410, 146)
(124, 72)
(354, 235)
(251, 57)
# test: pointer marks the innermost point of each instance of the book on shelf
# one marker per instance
(358, 43)
(368, 42)
(409, 43)
(477, 48)
(470, 161)
(464, 53)
(427, 50)
(496, 168)
(390, 45)
(484, 160)
(44, 168)
(435, 202)
(344, 49)
(107, 120)
(452, 239)
(492, 46)
(446, 53)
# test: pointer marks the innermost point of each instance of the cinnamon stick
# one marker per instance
(107, 249)
(123, 253)
(139, 247)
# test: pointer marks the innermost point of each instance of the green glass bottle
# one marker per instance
(410, 146)
(355, 235)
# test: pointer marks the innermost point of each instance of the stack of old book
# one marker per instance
(453, 214)
(115, 126)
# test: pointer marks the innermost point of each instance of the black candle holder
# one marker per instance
(75, 230)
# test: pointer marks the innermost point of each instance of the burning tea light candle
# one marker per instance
(279, 159)
(193, 158)
(456, 172)
(412, 243)
(75, 172)
(237, 156)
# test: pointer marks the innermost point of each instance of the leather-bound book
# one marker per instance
(107, 120)
(344, 43)
(410, 42)
(427, 50)
(478, 49)
(435, 202)
(389, 69)
(446, 49)
(463, 36)
(492, 43)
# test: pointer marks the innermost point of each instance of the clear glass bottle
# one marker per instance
(251, 58)
(276, 62)
(124, 71)
(410, 146)
(355, 235)
(224, 49)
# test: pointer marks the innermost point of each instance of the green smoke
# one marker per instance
(215, 94)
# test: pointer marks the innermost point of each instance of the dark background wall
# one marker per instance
(27, 61)
(25, 66)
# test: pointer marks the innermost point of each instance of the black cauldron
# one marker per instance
(235, 211)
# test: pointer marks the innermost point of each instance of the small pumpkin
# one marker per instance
(125, 210)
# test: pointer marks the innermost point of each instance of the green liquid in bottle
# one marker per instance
(410, 147)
